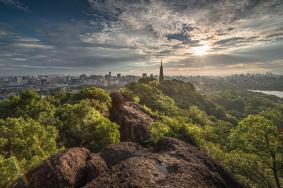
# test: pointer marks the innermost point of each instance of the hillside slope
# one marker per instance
(168, 163)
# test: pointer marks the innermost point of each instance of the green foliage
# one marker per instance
(257, 136)
(152, 98)
(95, 94)
(159, 129)
(249, 169)
(82, 125)
(173, 97)
(183, 93)
(60, 97)
(105, 133)
(96, 97)
(218, 133)
(147, 80)
(274, 115)
(126, 93)
(245, 167)
(198, 116)
(250, 150)
(185, 96)
(28, 104)
(178, 128)
(23, 144)
(243, 103)
(10, 169)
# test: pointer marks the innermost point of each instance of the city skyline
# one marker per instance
(214, 37)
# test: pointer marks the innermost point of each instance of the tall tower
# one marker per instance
(161, 76)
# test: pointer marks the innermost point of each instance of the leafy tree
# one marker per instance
(93, 93)
(274, 115)
(147, 80)
(251, 151)
(10, 170)
(82, 125)
(185, 96)
(61, 97)
(129, 95)
(152, 98)
(28, 104)
(258, 136)
(247, 167)
(23, 144)
(218, 133)
(198, 116)
(158, 130)
(96, 97)
(178, 128)
(243, 103)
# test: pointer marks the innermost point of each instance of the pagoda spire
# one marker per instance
(161, 75)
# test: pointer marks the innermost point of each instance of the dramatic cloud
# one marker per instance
(173, 28)
(132, 36)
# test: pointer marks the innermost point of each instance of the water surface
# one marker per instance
(276, 93)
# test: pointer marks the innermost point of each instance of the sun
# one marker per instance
(201, 50)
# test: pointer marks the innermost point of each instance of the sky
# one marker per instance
(192, 37)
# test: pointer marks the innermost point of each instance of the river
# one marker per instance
(276, 93)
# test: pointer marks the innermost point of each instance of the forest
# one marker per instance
(241, 130)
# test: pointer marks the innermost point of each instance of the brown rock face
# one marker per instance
(95, 167)
(170, 163)
(133, 120)
(67, 169)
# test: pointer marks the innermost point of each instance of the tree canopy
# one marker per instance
(239, 129)
(23, 144)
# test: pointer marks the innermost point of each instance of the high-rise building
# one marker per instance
(108, 76)
(144, 75)
(118, 75)
(161, 76)
(83, 77)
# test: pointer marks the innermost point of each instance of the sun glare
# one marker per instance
(201, 50)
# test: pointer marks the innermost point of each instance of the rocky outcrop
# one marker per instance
(170, 163)
(67, 169)
(134, 121)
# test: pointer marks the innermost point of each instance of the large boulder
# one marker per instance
(115, 153)
(170, 163)
(95, 167)
(66, 169)
(133, 120)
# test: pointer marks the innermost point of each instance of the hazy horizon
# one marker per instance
(212, 37)
(76, 74)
